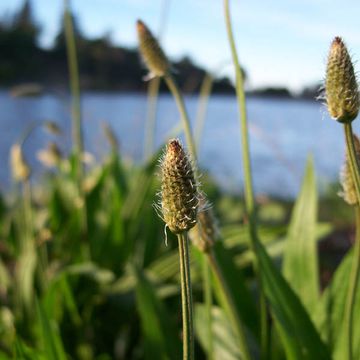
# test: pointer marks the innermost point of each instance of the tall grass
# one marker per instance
(248, 183)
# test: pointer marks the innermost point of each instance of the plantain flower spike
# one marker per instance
(51, 156)
(341, 89)
(110, 136)
(53, 128)
(179, 192)
(348, 188)
(154, 57)
(19, 168)
(206, 231)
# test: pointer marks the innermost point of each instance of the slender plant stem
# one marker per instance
(353, 160)
(204, 95)
(77, 129)
(186, 297)
(191, 145)
(183, 113)
(353, 285)
(230, 306)
(150, 123)
(153, 91)
(208, 305)
(41, 249)
(75, 90)
(249, 194)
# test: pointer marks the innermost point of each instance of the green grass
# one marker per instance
(127, 289)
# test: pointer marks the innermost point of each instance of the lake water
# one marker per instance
(282, 134)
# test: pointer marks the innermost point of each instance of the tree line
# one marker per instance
(103, 66)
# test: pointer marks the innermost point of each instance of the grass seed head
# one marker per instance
(153, 55)
(110, 136)
(347, 183)
(19, 168)
(179, 191)
(51, 156)
(53, 128)
(206, 231)
(341, 89)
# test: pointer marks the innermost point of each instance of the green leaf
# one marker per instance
(331, 311)
(235, 281)
(23, 352)
(92, 270)
(25, 274)
(160, 335)
(300, 338)
(5, 281)
(224, 338)
(300, 264)
(51, 340)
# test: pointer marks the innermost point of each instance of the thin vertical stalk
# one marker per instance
(208, 305)
(30, 235)
(183, 113)
(353, 160)
(353, 285)
(153, 93)
(238, 327)
(186, 297)
(355, 269)
(150, 122)
(77, 130)
(230, 306)
(77, 134)
(204, 95)
(249, 194)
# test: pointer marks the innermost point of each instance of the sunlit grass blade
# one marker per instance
(298, 333)
(248, 181)
(331, 311)
(224, 338)
(74, 85)
(300, 262)
(204, 95)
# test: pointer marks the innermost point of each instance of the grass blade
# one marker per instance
(298, 333)
(224, 338)
(160, 336)
(51, 340)
(300, 264)
(331, 311)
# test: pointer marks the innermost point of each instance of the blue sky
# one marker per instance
(280, 42)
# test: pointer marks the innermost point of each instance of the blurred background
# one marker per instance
(282, 47)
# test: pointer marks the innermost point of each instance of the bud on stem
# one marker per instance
(342, 96)
(346, 179)
(153, 55)
(179, 193)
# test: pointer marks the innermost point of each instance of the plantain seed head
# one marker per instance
(19, 168)
(179, 192)
(341, 89)
(110, 137)
(153, 55)
(206, 232)
(347, 183)
(51, 156)
(53, 128)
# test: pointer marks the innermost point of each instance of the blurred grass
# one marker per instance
(96, 309)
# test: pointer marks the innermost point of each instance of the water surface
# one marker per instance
(282, 134)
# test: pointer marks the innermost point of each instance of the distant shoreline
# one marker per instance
(37, 89)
